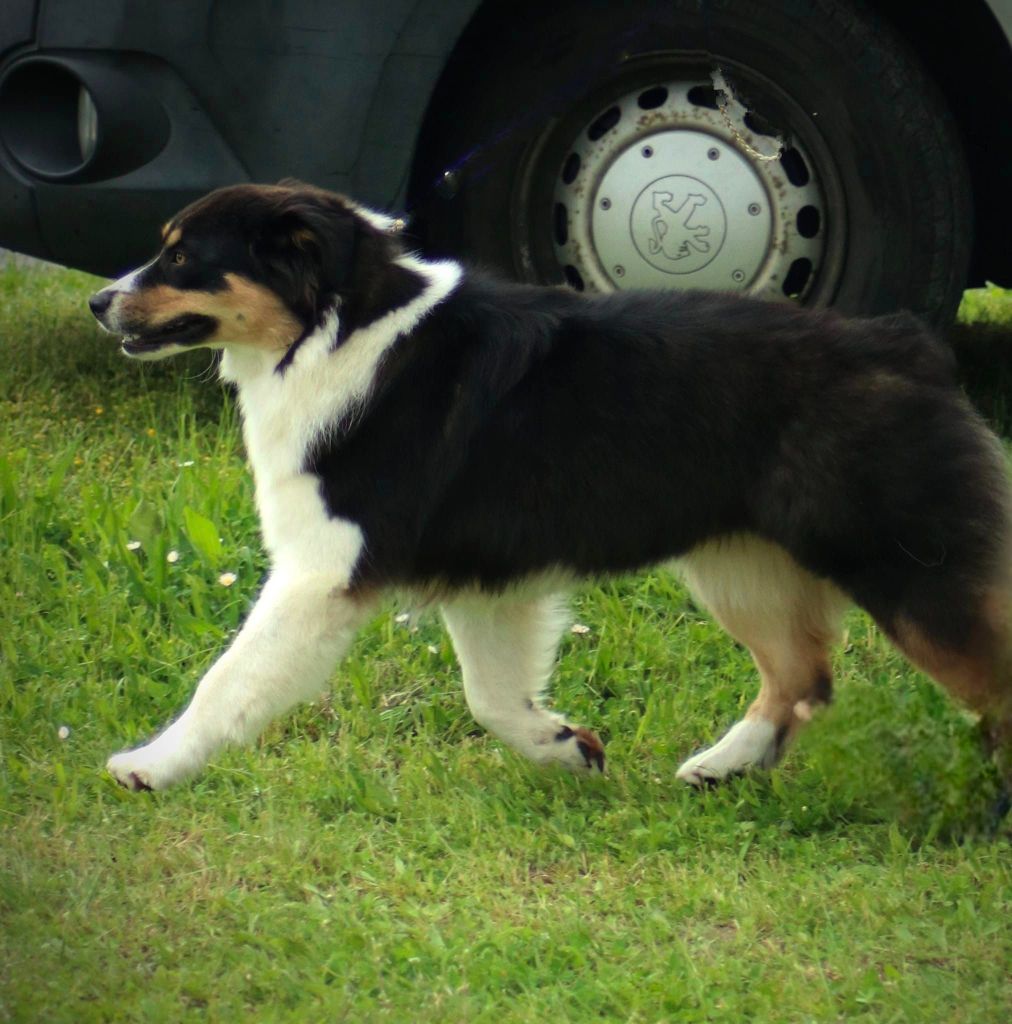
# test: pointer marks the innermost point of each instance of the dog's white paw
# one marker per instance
(546, 738)
(751, 743)
(575, 747)
(158, 765)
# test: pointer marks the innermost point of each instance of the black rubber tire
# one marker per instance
(895, 150)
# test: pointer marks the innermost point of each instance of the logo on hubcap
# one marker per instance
(678, 224)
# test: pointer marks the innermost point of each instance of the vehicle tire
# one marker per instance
(562, 145)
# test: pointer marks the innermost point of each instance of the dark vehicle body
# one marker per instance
(463, 112)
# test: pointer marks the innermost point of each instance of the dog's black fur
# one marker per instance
(537, 429)
(518, 432)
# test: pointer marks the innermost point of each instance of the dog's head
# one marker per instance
(253, 265)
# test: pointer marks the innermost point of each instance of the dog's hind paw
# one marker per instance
(750, 743)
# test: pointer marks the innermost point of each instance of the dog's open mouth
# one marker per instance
(187, 329)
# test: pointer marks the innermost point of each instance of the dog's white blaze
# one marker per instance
(119, 290)
(284, 413)
(128, 282)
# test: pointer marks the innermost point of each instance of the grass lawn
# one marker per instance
(375, 857)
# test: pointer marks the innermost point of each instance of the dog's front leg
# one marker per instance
(299, 628)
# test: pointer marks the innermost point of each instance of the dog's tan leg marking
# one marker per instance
(283, 654)
(788, 619)
(506, 648)
(980, 674)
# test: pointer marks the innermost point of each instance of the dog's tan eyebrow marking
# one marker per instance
(171, 235)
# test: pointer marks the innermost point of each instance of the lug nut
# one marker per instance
(738, 276)
(754, 208)
(713, 154)
(620, 271)
(647, 151)
(606, 203)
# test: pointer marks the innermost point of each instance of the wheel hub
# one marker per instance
(661, 210)
(666, 190)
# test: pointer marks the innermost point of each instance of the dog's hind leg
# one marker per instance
(283, 654)
(960, 635)
(980, 677)
(506, 648)
(788, 619)
(941, 584)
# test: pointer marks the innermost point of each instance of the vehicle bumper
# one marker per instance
(156, 151)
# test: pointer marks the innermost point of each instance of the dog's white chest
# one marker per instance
(298, 531)
(283, 415)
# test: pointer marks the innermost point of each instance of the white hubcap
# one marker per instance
(663, 190)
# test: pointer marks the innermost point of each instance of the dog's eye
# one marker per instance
(179, 257)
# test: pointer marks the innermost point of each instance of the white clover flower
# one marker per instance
(63, 732)
(579, 628)
(226, 579)
(172, 557)
(133, 545)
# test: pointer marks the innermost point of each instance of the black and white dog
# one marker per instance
(483, 445)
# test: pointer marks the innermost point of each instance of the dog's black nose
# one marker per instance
(99, 302)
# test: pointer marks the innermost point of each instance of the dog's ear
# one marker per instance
(317, 250)
(307, 249)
